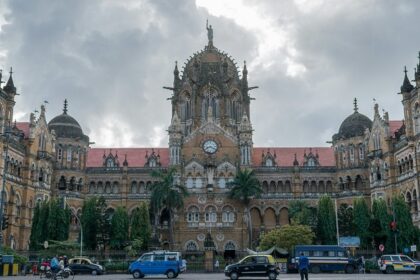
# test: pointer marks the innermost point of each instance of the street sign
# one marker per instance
(381, 247)
(413, 248)
(406, 250)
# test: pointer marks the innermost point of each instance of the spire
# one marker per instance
(65, 107)
(125, 163)
(10, 86)
(176, 76)
(406, 86)
(295, 162)
(1, 76)
(245, 71)
(355, 105)
(417, 73)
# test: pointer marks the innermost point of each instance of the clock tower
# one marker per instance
(210, 135)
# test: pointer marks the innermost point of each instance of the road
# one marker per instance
(214, 276)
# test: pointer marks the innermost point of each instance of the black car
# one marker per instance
(254, 266)
(82, 265)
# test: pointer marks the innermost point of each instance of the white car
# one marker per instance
(398, 263)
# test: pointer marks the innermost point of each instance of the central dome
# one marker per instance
(65, 126)
(354, 125)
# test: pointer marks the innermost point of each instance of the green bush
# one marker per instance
(19, 259)
(371, 265)
(117, 266)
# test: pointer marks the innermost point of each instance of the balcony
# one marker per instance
(43, 155)
(375, 154)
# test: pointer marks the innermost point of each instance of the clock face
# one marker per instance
(210, 146)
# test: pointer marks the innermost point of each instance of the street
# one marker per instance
(214, 276)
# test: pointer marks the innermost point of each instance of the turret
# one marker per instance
(10, 86)
(176, 77)
(245, 140)
(406, 87)
(175, 137)
(417, 73)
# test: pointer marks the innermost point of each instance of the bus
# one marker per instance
(324, 258)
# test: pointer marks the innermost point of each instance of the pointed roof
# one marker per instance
(10, 86)
(406, 86)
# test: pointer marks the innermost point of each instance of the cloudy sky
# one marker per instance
(110, 59)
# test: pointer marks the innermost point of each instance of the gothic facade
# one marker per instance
(210, 137)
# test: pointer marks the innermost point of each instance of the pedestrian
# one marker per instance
(303, 266)
(216, 265)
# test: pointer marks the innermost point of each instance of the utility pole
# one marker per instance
(80, 223)
(336, 222)
(3, 190)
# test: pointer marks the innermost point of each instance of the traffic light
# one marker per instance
(5, 222)
(393, 225)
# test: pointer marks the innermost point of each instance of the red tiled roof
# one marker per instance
(24, 126)
(394, 126)
(136, 157)
(286, 156)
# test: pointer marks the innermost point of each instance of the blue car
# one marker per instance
(158, 262)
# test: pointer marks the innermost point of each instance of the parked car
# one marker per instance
(85, 266)
(158, 262)
(253, 265)
(398, 263)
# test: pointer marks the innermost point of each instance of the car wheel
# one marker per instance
(272, 275)
(137, 274)
(389, 269)
(234, 275)
(170, 274)
(94, 272)
(349, 269)
(315, 269)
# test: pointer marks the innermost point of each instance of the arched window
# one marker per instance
(193, 215)
(305, 186)
(222, 183)
(287, 186)
(210, 215)
(80, 185)
(108, 187)
(115, 188)
(269, 162)
(311, 162)
(230, 246)
(92, 187)
(191, 246)
(109, 162)
(190, 182)
(361, 152)
(100, 187)
(134, 187)
(228, 216)
(198, 183)
(313, 187)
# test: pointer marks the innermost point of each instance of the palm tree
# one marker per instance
(167, 194)
(245, 186)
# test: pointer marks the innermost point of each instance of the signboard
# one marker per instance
(406, 250)
(381, 247)
(413, 248)
(349, 241)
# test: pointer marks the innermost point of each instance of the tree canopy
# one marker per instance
(326, 221)
(287, 237)
(362, 221)
(119, 229)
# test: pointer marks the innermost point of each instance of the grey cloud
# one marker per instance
(112, 59)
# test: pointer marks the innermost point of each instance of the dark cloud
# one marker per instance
(111, 59)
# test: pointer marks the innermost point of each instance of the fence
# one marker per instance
(118, 261)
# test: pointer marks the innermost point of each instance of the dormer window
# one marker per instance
(269, 162)
(311, 162)
(110, 162)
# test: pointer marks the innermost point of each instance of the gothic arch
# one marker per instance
(191, 246)
(269, 218)
(284, 216)
(256, 218)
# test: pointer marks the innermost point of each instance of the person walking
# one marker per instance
(303, 266)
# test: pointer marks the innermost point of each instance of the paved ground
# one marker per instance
(214, 276)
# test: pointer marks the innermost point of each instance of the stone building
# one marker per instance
(210, 137)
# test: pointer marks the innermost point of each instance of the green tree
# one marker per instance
(361, 221)
(167, 194)
(406, 232)
(34, 243)
(89, 223)
(103, 221)
(326, 221)
(244, 187)
(380, 224)
(345, 220)
(140, 225)
(301, 213)
(119, 229)
(287, 237)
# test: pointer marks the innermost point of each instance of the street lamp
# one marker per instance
(6, 134)
(80, 223)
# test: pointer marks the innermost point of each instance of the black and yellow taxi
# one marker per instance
(253, 266)
(398, 263)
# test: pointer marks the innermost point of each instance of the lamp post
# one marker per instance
(3, 190)
(81, 227)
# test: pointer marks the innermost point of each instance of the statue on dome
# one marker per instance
(209, 33)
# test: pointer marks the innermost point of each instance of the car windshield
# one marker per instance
(406, 259)
(248, 260)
